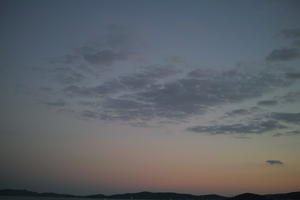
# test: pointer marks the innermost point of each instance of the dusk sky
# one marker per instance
(113, 96)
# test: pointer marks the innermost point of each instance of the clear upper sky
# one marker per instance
(124, 96)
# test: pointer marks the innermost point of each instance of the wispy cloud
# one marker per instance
(267, 103)
(287, 117)
(274, 162)
(291, 33)
(256, 127)
(284, 54)
(165, 91)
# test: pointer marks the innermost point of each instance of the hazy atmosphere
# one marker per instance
(116, 96)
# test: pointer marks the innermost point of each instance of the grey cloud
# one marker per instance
(147, 76)
(191, 95)
(242, 137)
(291, 33)
(117, 43)
(256, 127)
(108, 87)
(147, 98)
(237, 112)
(205, 73)
(277, 135)
(105, 57)
(126, 109)
(70, 78)
(287, 117)
(288, 133)
(267, 103)
(284, 54)
(58, 103)
(274, 162)
(135, 81)
(66, 59)
(159, 91)
(105, 88)
(66, 75)
(46, 89)
(291, 97)
(296, 43)
(293, 75)
(74, 90)
(90, 114)
(294, 132)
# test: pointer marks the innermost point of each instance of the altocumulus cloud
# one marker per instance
(291, 33)
(287, 53)
(274, 162)
(284, 54)
(256, 127)
(163, 91)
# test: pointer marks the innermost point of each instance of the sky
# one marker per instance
(117, 96)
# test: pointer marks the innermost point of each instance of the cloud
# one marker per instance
(277, 135)
(293, 75)
(132, 82)
(116, 43)
(288, 133)
(274, 162)
(296, 43)
(291, 33)
(65, 59)
(147, 77)
(291, 97)
(161, 92)
(284, 54)
(287, 117)
(242, 137)
(58, 103)
(105, 57)
(293, 132)
(256, 127)
(237, 112)
(267, 103)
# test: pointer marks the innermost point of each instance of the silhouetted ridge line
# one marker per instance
(289, 196)
(156, 195)
(165, 195)
(12, 192)
(249, 196)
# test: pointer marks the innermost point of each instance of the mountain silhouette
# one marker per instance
(165, 195)
(156, 195)
(289, 196)
(249, 196)
(12, 192)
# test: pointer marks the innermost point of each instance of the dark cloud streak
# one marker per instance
(284, 54)
(274, 162)
(256, 127)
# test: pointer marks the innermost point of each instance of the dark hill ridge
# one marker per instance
(249, 196)
(165, 195)
(157, 195)
(285, 196)
(11, 192)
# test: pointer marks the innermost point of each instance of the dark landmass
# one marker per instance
(249, 196)
(165, 195)
(288, 196)
(27, 193)
(156, 195)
